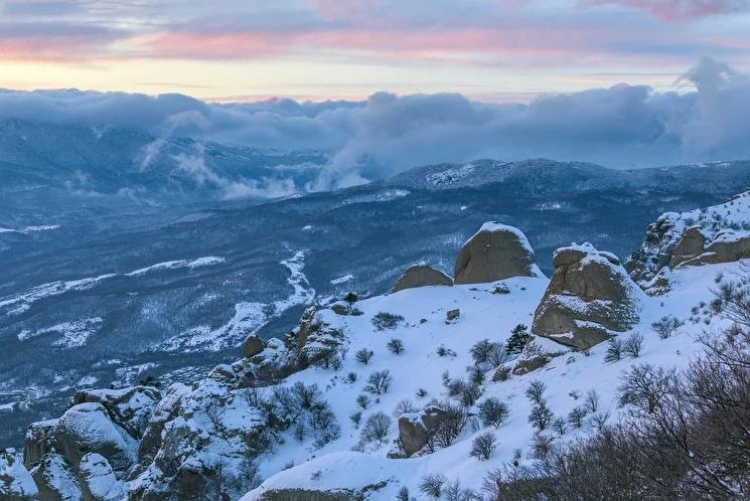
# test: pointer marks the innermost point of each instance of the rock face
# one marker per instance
(718, 234)
(495, 252)
(414, 432)
(252, 346)
(421, 276)
(590, 296)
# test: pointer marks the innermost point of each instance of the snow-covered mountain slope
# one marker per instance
(568, 379)
(368, 399)
(183, 286)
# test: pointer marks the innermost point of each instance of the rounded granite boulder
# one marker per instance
(421, 276)
(495, 252)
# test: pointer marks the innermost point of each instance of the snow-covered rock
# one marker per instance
(589, 297)
(98, 481)
(421, 276)
(712, 235)
(16, 483)
(495, 252)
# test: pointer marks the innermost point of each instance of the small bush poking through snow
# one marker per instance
(483, 446)
(493, 412)
(559, 426)
(363, 356)
(403, 494)
(592, 401)
(356, 418)
(614, 350)
(540, 417)
(352, 377)
(405, 407)
(476, 375)
(442, 351)
(376, 428)
(599, 419)
(395, 346)
(379, 382)
(432, 485)
(535, 391)
(363, 401)
(645, 386)
(541, 445)
(501, 374)
(666, 326)
(633, 345)
(576, 416)
(487, 354)
(384, 320)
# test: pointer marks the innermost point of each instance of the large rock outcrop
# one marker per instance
(589, 297)
(421, 276)
(718, 234)
(495, 252)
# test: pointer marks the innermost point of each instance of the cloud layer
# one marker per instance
(625, 126)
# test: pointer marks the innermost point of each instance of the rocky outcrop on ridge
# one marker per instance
(589, 296)
(713, 235)
(421, 276)
(495, 252)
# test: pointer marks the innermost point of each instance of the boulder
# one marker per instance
(421, 276)
(252, 346)
(16, 483)
(495, 252)
(86, 428)
(451, 316)
(589, 297)
(129, 408)
(414, 431)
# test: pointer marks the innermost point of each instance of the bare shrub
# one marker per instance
(483, 446)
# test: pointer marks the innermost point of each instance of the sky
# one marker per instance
(247, 50)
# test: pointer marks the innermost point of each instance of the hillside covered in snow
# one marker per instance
(489, 380)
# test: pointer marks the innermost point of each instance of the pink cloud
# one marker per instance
(216, 45)
(377, 43)
(46, 50)
(673, 10)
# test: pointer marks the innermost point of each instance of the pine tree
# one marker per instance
(518, 340)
